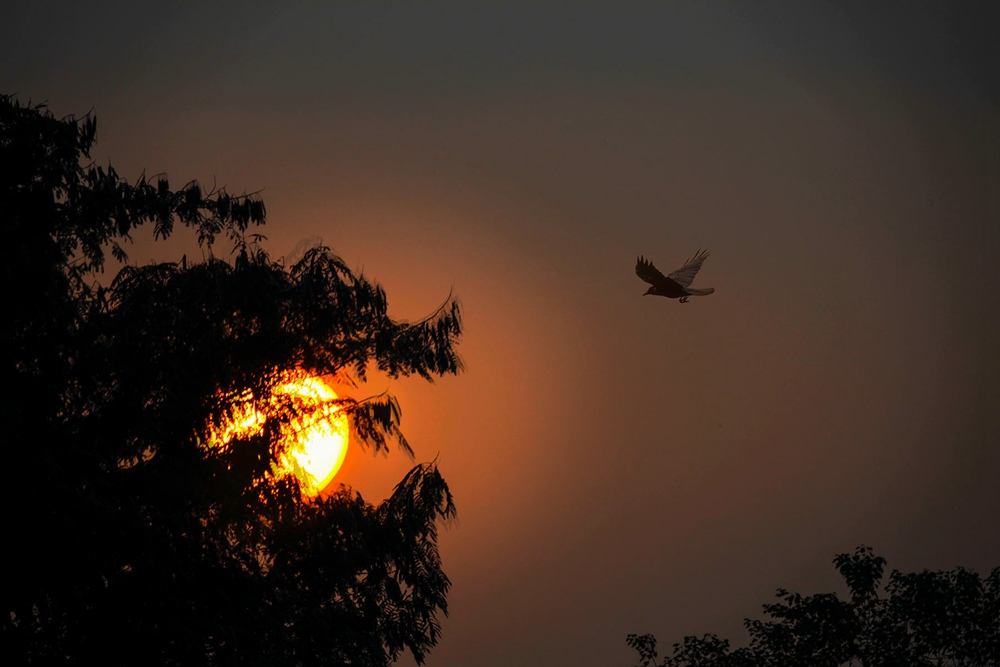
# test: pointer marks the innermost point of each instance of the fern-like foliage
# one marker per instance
(147, 546)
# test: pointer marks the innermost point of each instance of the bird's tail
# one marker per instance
(700, 292)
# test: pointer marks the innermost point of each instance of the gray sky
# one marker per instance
(620, 463)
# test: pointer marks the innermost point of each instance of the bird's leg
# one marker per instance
(684, 299)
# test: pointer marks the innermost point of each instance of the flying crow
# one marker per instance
(678, 283)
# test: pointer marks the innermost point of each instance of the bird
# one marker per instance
(677, 284)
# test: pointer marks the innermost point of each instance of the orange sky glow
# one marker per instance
(620, 463)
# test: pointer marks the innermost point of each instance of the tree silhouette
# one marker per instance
(925, 618)
(129, 541)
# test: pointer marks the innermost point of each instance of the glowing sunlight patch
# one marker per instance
(315, 442)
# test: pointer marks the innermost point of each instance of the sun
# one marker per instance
(315, 440)
(319, 443)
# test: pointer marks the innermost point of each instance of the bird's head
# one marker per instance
(651, 290)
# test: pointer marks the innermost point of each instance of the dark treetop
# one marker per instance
(949, 618)
(129, 542)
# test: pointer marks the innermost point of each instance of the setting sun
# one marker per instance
(315, 440)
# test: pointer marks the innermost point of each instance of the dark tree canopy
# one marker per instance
(129, 541)
(948, 618)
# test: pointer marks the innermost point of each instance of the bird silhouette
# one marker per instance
(678, 283)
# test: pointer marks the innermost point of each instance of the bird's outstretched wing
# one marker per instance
(685, 275)
(649, 273)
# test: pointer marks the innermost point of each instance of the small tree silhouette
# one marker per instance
(926, 618)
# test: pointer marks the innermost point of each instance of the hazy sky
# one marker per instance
(621, 463)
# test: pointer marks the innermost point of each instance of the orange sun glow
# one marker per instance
(315, 440)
